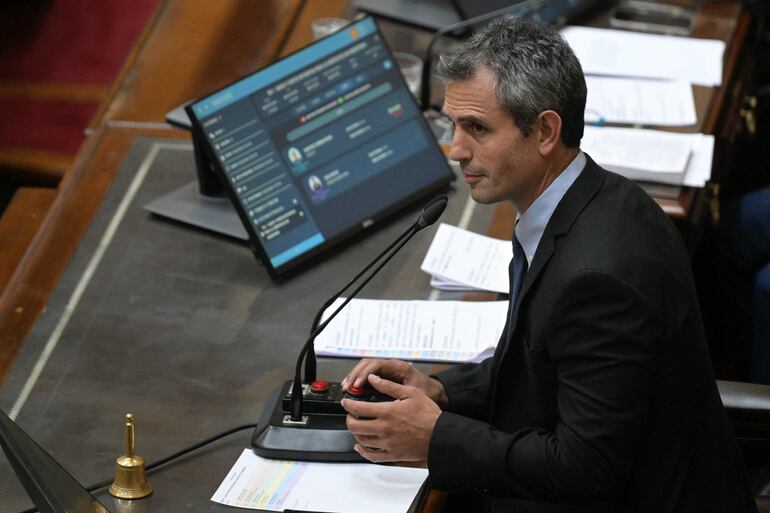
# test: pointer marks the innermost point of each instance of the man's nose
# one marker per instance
(458, 150)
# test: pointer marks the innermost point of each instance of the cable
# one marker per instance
(163, 461)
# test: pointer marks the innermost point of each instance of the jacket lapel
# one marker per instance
(571, 205)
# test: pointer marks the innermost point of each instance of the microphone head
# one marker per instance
(432, 211)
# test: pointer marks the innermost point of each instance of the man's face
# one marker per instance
(497, 161)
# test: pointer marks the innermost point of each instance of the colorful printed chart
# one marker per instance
(275, 485)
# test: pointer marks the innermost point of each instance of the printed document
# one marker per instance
(435, 331)
(651, 155)
(276, 485)
(699, 167)
(624, 53)
(640, 101)
(458, 259)
(639, 154)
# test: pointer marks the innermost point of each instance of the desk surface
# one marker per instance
(181, 328)
(158, 59)
(199, 403)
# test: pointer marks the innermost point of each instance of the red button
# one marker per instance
(354, 390)
(319, 386)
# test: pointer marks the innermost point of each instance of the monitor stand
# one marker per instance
(202, 203)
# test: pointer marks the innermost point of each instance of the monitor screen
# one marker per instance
(320, 145)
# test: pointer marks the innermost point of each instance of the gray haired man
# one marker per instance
(600, 395)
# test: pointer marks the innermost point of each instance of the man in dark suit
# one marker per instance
(600, 396)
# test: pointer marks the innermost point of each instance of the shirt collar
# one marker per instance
(531, 224)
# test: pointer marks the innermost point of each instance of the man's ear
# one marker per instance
(549, 131)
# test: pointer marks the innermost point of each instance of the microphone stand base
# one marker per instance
(317, 437)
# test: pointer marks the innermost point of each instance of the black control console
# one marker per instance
(323, 397)
(321, 434)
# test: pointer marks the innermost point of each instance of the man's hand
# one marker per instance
(399, 372)
(393, 431)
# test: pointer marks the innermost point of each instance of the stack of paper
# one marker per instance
(277, 485)
(624, 53)
(461, 260)
(651, 155)
(436, 331)
(639, 101)
(639, 154)
(674, 62)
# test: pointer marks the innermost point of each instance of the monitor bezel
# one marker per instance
(367, 225)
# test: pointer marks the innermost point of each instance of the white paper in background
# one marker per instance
(639, 154)
(632, 54)
(699, 167)
(439, 331)
(466, 258)
(276, 485)
(618, 149)
(437, 282)
(640, 101)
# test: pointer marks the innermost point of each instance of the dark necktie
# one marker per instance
(516, 271)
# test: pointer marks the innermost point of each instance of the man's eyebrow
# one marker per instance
(470, 118)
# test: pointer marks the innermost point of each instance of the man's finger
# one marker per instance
(363, 409)
(357, 375)
(375, 456)
(391, 388)
(372, 442)
(363, 427)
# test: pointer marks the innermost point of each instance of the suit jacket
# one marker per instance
(600, 396)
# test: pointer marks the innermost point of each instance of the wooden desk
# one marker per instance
(189, 48)
(166, 69)
(178, 326)
(717, 108)
(174, 62)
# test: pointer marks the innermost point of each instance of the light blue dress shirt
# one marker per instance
(531, 224)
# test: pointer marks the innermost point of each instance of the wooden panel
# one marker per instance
(726, 22)
(193, 47)
(38, 167)
(18, 226)
(301, 34)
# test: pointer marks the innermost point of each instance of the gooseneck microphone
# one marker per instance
(430, 214)
(306, 420)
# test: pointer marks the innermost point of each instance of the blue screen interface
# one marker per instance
(317, 143)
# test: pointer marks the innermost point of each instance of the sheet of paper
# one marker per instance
(467, 258)
(632, 54)
(639, 154)
(437, 282)
(640, 101)
(699, 167)
(437, 331)
(275, 485)
(651, 155)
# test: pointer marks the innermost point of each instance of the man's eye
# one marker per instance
(477, 129)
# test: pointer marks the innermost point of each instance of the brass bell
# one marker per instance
(130, 480)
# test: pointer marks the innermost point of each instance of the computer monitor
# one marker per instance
(472, 8)
(319, 146)
(428, 14)
(50, 487)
